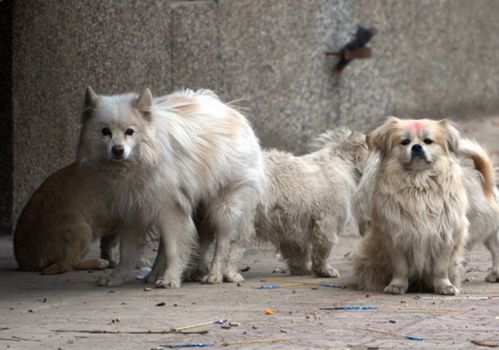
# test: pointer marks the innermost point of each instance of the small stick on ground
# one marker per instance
(485, 343)
(256, 341)
(99, 331)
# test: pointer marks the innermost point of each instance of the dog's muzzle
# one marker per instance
(417, 152)
(118, 152)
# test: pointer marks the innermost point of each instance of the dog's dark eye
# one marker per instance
(405, 142)
(129, 132)
(428, 141)
(106, 132)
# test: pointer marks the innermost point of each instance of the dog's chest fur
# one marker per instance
(420, 212)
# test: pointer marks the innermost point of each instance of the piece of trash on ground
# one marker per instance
(485, 343)
(331, 285)
(269, 286)
(394, 334)
(268, 312)
(143, 272)
(195, 344)
(256, 341)
(350, 307)
(195, 325)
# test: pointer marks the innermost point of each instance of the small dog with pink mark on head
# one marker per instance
(412, 203)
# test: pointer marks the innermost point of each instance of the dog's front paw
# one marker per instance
(233, 277)
(213, 278)
(492, 276)
(327, 271)
(168, 283)
(110, 281)
(447, 289)
(396, 288)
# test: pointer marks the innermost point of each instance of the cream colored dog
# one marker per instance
(159, 158)
(63, 216)
(307, 200)
(418, 205)
(482, 213)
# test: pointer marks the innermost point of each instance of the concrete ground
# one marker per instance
(70, 312)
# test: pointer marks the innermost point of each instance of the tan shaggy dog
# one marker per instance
(483, 197)
(483, 213)
(418, 208)
(159, 158)
(63, 216)
(307, 201)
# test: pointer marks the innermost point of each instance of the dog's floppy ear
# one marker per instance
(91, 98)
(379, 139)
(144, 103)
(451, 135)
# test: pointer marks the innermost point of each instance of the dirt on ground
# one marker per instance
(70, 311)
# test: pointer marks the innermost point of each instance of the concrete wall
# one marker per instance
(6, 155)
(431, 58)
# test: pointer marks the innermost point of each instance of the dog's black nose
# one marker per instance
(118, 150)
(417, 148)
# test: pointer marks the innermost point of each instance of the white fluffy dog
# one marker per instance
(414, 199)
(307, 200)
(159, 158)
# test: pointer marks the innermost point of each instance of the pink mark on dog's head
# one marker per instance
(415, 125)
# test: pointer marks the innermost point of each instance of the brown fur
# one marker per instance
(63, 216)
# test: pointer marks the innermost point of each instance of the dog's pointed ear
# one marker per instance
(91, 98)
(452, 135)
(379, 138)
(144, 103)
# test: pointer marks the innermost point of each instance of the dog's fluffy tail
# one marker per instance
(329, 138)
(472, 150)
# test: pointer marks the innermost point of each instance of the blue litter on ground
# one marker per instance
(355, 307)
(413, 337)
(269, 286)
(331, 285)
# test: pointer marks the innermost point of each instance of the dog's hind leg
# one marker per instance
(199, 264)
(324, 239)
(73, 244)
(107, 245)
(91, 264)
(159, 266)
(297, 257)
(230, 214)
(61, 266)
(226, 223)
(492, 244)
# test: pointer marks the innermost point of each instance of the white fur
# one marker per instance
(307, 200)
(187, 147)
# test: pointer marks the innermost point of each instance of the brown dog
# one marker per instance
(63, 216)
(418, 209)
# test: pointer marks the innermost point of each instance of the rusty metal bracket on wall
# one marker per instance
(354, 49)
